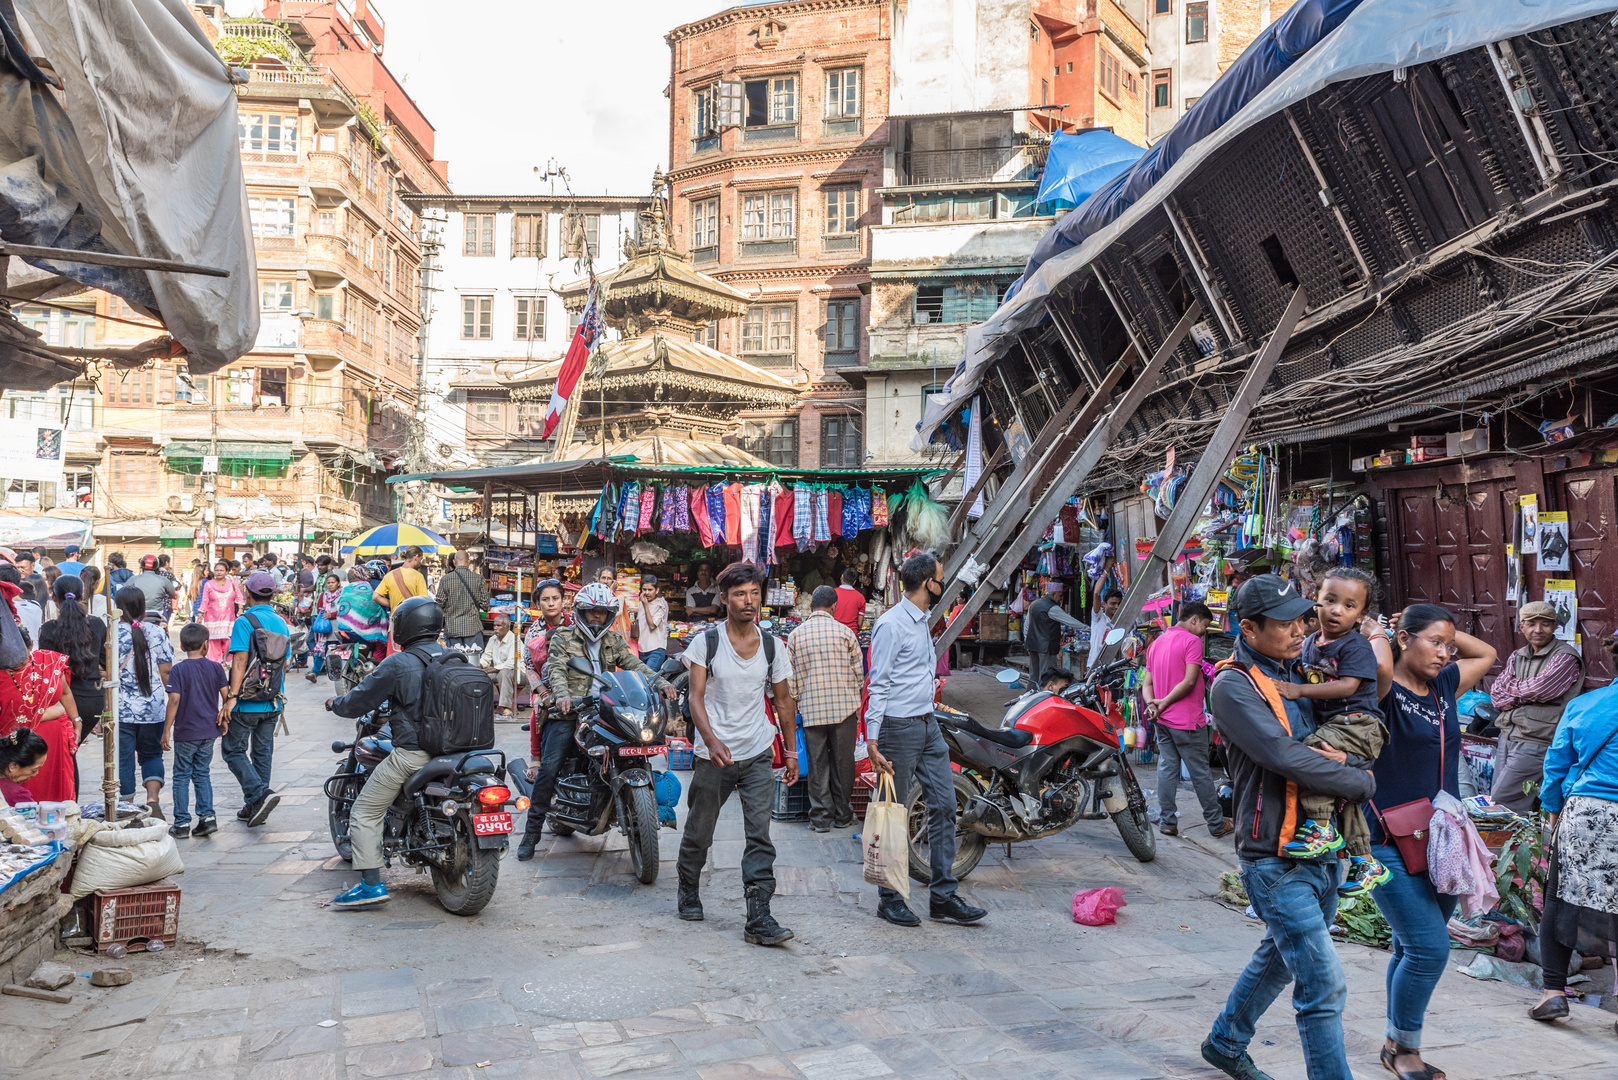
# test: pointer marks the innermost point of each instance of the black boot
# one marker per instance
(762, 929)
(690, 902)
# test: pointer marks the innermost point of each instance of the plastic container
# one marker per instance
(791, 803)
(681, 758)
(133, 917)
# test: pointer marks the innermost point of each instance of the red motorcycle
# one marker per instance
(1054, 760)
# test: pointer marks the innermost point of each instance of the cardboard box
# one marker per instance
(993, 626)
(1388, 457)
(1475, 441)
(1417, 441)
(1360, 464)
(1424, 453)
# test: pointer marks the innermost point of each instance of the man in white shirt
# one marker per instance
(500, 661)
(732, 667)
(702, 599)
(1101, 616)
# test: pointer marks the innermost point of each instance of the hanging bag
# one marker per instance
(1409, 824)
(886, 840)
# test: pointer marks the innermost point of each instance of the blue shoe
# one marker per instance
(362, 895)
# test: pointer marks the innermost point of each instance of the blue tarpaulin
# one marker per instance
(1079, 164)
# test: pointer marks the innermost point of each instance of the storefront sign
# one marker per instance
(1563, 595)
(29, 451)
(222, 536)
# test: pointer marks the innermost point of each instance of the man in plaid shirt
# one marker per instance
(828, 674)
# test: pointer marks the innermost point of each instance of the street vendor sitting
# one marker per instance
(22, 755)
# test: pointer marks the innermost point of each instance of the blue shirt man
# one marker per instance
(70, 563)
(248, 744)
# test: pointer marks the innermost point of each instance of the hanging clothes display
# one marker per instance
(834, 513)
(672, 496)
(701, 515)
(803, 517)
(733, 514)
(716, 513)
(879, 508)
(682, 508)
(784, 516)
(747, 501)
(648, 503)
(766, 523)
(822, 528)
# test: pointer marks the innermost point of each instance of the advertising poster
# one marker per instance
(1530, 524)
(1553, 552)
(1513, 575)
(29, 451)
(1563, 595)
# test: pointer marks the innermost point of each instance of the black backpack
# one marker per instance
(266, 663)
(457, 704)
(767, 641)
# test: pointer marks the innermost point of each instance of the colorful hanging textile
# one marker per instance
(803, 517)
(834, 512)
(672, 497)
(682, 508)
(648, 503)
(879, 508)
(822, 528)
(852, 499)
(784, 517)
(747, 501)
(733, 515)
(700, 515)
(716, 514)
(766, 523)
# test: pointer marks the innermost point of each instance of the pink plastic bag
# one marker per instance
(1098, 907)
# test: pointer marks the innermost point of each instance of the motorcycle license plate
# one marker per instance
(642, 751)
(491, 824)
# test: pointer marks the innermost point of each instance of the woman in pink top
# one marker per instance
(222, 598)
(1173, 687)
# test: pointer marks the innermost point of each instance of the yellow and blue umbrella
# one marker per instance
(388, 539)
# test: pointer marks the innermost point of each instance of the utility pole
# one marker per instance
(417, 459)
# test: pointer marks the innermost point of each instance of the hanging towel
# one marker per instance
(748, 499)
(803, 517)
(700, 514)
(879, 508)
(822, 528)
(851, 511)
(665, 517)
(834, 512)
(733, 515)
(716, 512)
(864, 520)
(783, 517)
(682, 509)
(648, 502)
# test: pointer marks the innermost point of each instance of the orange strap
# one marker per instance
(1266, 689)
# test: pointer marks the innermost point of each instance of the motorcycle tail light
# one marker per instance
(521, 804)
(493, 795)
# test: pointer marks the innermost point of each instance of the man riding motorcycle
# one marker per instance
(416, 625)
(594, 610)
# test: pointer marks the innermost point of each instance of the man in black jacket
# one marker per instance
(1296, 898)
(416, 625)
(1042, 631)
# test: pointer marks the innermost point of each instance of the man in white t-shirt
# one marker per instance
(732, 668)
(1104, 610)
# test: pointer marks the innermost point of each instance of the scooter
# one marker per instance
(453, 816)
(1054, 760)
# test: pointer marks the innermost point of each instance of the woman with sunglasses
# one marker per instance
(1434, 663)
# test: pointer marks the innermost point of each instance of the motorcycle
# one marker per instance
(1054, 760)
(453, 816)
(605, 780)
(350, 659)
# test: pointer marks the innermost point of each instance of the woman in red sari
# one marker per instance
(36, 694)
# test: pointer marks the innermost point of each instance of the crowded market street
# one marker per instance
(575, 970)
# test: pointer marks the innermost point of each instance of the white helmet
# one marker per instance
(595, 597)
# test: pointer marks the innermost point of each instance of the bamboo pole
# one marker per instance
(109, 720)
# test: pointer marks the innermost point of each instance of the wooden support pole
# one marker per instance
(1227, 437)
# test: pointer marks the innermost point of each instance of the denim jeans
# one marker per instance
(916, 749)
(653, 658)
(248, 747)
(145, 743)
(554, 739)
(1173, 746)
(192, 761)
(1297, 901)
(1419, 916)
(754, 780)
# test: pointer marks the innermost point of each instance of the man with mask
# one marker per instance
(899, 719)
(591, 636)
(416, 625)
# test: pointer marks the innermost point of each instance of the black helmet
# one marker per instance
(417, 619)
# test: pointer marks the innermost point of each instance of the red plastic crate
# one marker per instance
(680, 755)
(132, 917)
(864, 787)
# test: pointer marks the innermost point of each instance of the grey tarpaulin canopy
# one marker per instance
(123, 141)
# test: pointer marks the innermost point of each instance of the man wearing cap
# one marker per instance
(1539, 680)
(160, 591)
(70, 563)
(1041, 634)
(1296, 898)
(248, 744)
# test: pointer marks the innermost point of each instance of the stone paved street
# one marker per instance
(576, 971)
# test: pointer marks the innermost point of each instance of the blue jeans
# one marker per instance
(916, 749)
(1297, 901)
(554, 739)
(654, 659)
(248, 747)
(145, 743)
(192, 761)
(1419, 916)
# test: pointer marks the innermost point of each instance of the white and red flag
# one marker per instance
(578, 351)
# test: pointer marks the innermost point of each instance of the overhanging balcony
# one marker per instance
(980, 164)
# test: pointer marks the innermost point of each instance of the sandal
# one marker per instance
(1427, 1072)
(1554, 1009)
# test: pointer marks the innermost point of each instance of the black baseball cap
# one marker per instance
(1270, 595)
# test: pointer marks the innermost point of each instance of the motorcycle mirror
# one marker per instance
(1008, 675)
(1115, 635)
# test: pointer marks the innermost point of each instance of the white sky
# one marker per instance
(510, 84)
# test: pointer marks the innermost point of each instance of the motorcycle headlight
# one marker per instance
(645, 734)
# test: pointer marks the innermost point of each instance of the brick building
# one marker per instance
(307, 425)
(777, 132)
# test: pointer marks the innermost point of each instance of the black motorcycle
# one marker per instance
(605, 780)
(349, 660)
(452, 817)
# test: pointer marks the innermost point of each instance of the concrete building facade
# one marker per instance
(778, 126)
(306, 426)
(1191, 43)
